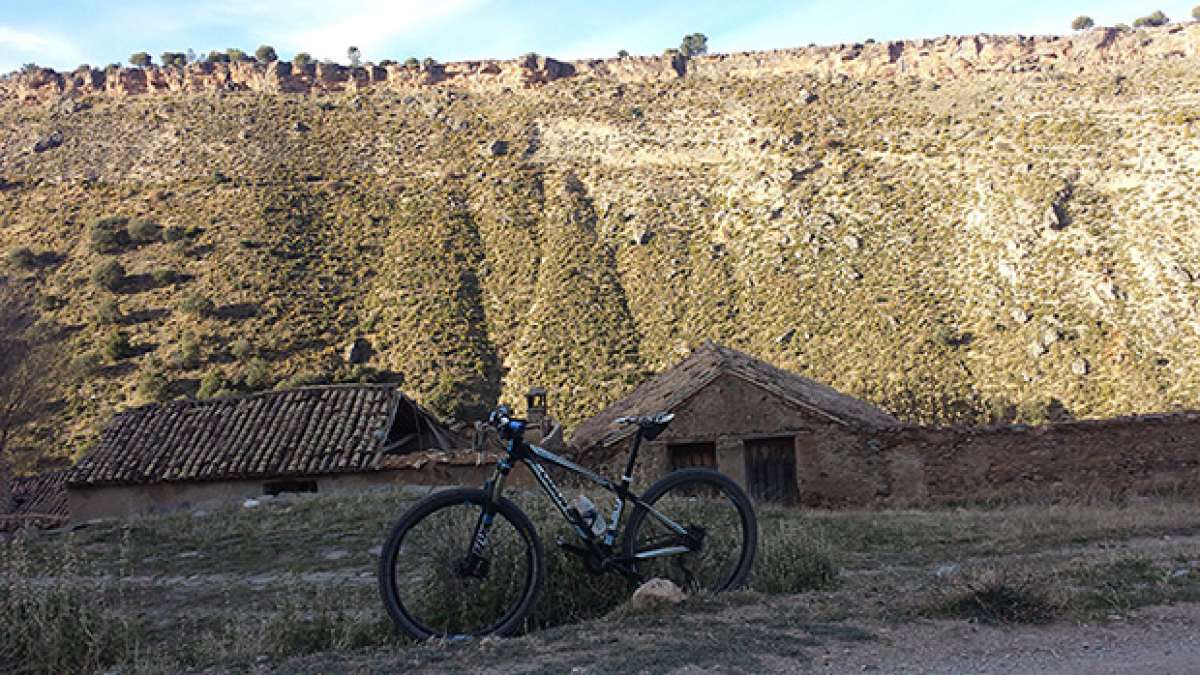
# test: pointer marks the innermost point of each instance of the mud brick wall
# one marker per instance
(1133, 455)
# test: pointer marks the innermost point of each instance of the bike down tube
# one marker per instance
(622, 490)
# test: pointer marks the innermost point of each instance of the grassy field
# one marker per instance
(291, 585)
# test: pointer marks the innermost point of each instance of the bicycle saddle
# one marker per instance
(651, 425)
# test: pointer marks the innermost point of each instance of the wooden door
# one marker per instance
(771, 469)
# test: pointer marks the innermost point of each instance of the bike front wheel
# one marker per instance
(430, 589)
(722, 532)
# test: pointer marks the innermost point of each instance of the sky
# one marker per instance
(66, 33)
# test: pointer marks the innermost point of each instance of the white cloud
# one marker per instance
(21, 46)
(372, 25)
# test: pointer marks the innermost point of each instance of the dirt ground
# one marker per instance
(1162, 640)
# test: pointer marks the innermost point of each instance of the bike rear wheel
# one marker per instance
(715, 511)
(430, 593)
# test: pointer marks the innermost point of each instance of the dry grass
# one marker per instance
(295, 577)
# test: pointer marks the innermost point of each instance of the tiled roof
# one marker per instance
(668, 389)
(40, 500)
(306, 431)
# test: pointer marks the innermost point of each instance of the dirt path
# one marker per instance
(1161, 640)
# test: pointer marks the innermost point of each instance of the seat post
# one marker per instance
(627, 478)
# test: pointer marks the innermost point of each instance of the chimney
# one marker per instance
(535, 415)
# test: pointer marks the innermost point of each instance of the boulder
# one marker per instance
(48, 142)
(654, 594)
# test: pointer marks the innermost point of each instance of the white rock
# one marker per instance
(655, 593)
(250, 503)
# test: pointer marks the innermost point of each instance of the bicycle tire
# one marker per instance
(712, 479)
(535, 578)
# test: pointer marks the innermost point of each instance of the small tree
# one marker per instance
(1155, 19)
(235, 54)
(266, 54)
(27, 375)
(1082, 23)
(694, 45)
(1196, 12)
(412, 62)
(217, 57)
(140, 59)
(173, 59)
(622, 54)
(354, 55)
(302, 59)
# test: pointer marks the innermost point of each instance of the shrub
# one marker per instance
(306, 379)
(22, 257)
(107, 235)
(173, 234)
(694, 44)
(302, 59)
(152, 385)
(412, 62)
(117, 346)
(212, 385)
(140, 59)
(1082, 23)
(234, 54)
(1196, 12)
(84, 364)
(217, 57)
(996, 597)
(197, 305)
(143, 231)
(164, 276)
(1157, 18)
(187, 355)
(256, 375)
(241, 349)
(428, 63)
(622, 54)
(108, 312)
(266, 54)
(108, 275)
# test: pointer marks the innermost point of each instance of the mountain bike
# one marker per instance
(468, 562)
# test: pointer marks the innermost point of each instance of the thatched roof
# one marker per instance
(306, 431)
(39, 500)
(670, 388)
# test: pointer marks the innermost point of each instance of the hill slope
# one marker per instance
(952, 249)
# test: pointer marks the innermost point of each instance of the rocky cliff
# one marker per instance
(963, 229)
(935, 59)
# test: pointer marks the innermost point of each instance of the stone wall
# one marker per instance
(937, 59)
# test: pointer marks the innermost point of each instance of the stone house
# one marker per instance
(769, 429)
(312, 439)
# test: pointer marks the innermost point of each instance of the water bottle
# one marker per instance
(591, 517)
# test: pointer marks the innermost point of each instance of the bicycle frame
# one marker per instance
(532, 456)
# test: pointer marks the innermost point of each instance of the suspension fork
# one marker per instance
(493, 491)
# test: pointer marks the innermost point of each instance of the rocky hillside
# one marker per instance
(960, 230)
